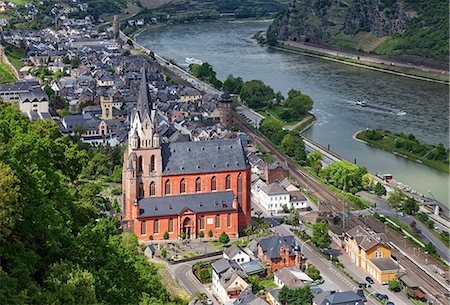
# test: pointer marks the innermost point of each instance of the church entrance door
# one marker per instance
(187, 227)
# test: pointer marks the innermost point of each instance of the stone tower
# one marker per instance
(116, 26)
(142, 169)
(106, 102)
(225, 110)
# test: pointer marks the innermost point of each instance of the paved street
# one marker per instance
(383, 208)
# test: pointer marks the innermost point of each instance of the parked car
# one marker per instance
(209, 302)
(370, 280)
(381, 297)
(364, 285)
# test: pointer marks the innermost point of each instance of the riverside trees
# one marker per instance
(57, 245)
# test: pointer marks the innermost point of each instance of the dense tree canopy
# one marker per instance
(206, 73)
(320, 234)
(345, 175)
(232, 84)
(257, 94)
(53, 249)
(296, 296)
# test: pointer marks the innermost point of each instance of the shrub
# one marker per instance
(205, 275)
(183, 235)
(150, 237)
(201, 234)
(224, 239)
(163, 252)
(210, 233)
(166, 235)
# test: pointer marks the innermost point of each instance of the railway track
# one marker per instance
(434, 289)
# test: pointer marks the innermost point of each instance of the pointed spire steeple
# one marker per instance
(143, 103)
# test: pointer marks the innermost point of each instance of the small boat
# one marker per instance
(362, 103)
(192, 60)
(400, 113)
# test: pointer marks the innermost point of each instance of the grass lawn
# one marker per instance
(20, 2)
(268, 284)
(6, 76)
(14, 55)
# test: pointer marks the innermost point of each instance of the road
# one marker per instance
(383, 208)
(330, 272)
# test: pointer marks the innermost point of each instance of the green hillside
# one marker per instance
(396, 28)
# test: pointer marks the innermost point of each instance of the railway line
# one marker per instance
(434, 289)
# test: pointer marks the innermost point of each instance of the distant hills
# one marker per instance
(395, 28)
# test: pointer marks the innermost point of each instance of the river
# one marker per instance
(334, 87)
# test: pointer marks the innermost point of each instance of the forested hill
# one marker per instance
(57, 246)
(397, 28)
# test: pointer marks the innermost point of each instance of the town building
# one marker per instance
(228, 280)
(291, 277)
(340, 298)
(278, 252)
(237, 254)
(182, 188)
(371, 252)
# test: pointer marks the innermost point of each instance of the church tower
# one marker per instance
(142, 169)
(225, 110)
(106, 102)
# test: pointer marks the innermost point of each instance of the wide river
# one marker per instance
(334, 87)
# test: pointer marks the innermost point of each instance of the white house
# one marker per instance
(237, 254)
(272, 197)
(228, 280)
(292, 277)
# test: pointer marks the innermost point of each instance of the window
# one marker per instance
(141, 190)
(167, 188)
(170, 224)
(140, 164)
(152, 163)
(378, 254)
(228, 182)
(198, 185)
(182, 186)
(152, 188)
(143, 227)
(213, 183)
(217, 221)
(156, 226)
(202, 222)
(229, 220)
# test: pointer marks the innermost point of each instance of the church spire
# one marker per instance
(143, 103)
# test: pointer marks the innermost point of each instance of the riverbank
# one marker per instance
(352, 59)
(405, 146)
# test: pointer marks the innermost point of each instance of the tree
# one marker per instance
(298, 103)
(256, 283)
(394, 286)
(410, 206)
(313, 272)
(205, 275)
(166, 235)
(379, 190)
(293, 145)
(224, 239)
(314, 160)
(256, 94)
(210, 233)
(206, 73)
(396, 198)
(232, 85)
(367, 182)
(345, 175)
(272, 128)
(201, 234)
(10, 209)
(296, 296)
(320, 234)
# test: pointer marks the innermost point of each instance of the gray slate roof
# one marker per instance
(175, 205)
(271, 246)
(247, 297)
(203, 156)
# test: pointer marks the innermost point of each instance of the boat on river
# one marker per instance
(364, 103)
(192, 60)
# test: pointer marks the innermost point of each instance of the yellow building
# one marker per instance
(371, 252)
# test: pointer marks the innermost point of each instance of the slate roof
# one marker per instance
(274, 189)
(221, 265)
(175, 205)
(385, 264)
(271, 246)
(203, 157)
(343, 298)
(367, 240)
(247, 297)
(233, 250)
(34, 95)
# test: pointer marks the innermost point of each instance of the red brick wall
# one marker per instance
(178, 221)
(277, 263)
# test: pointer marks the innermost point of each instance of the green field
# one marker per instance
(6, 76)
(436, 156)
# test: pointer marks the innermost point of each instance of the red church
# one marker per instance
(188, 187)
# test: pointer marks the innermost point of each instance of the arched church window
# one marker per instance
(152, 188)
(167, 187)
